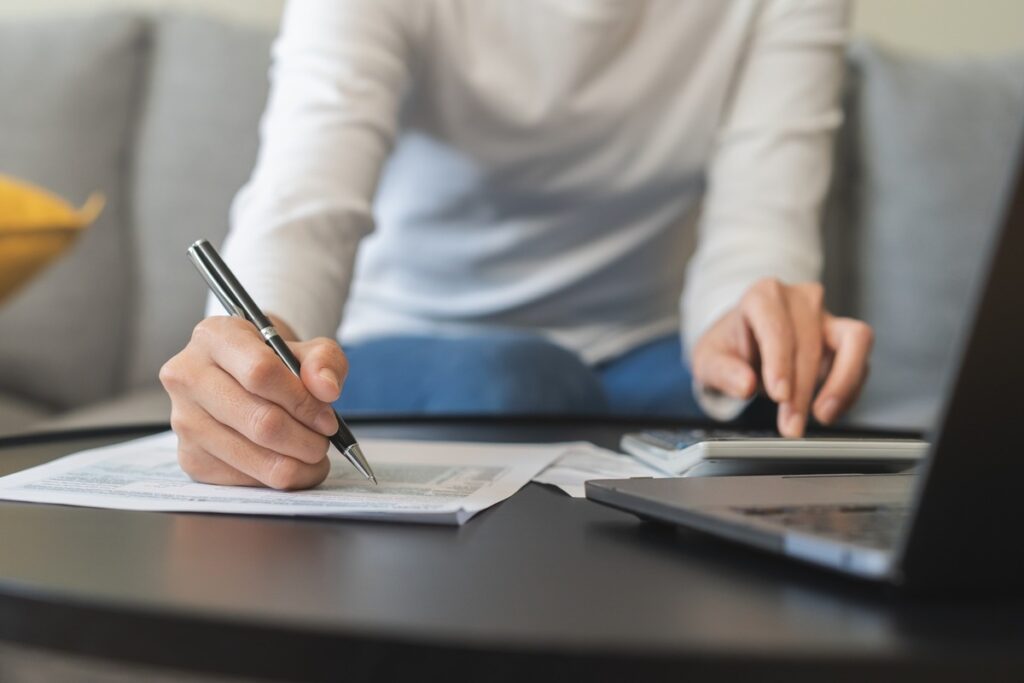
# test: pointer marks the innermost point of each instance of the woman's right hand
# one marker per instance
(241, 416)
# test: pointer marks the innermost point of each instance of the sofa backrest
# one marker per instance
(67, 113)
(928, 148)
(161, 114)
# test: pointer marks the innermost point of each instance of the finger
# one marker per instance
(204, 468)
(764, 309)
(237, 347)
(719, 369)
(851, 342)
(263, 423)
(324, 367)
(827, 357)
(746, 346)
(805, 308)
(201, 433)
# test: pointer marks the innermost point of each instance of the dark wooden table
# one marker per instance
(541, 587)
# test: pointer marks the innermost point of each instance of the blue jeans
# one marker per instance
(513, 373)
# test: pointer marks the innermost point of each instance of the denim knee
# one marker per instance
(521, 374)
(487, 374)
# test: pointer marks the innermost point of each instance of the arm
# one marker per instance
(752, 309)
(340, 69)
(339, 72)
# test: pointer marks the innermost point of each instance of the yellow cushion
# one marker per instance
(35, 227)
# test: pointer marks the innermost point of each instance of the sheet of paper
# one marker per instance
(582, 461)
(420, 481)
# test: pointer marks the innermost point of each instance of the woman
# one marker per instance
(499, 196)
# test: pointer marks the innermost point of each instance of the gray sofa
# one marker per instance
(161, 114)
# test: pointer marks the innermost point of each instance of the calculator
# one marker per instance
(711, 452)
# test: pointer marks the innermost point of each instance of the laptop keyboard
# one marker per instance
(873, 526)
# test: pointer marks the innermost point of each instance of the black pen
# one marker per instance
(237, 302)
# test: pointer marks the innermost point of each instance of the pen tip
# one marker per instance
(374, 480)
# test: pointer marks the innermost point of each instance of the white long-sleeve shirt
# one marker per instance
(448, 166)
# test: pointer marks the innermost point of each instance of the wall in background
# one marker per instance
(933, 27)
(260, 12)
(943, 27)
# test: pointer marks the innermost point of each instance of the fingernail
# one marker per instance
(329, 376)
(829, 409)
(794, 425)
(326, 423)
(782, 390)
(783, 416)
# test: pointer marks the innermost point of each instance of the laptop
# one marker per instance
(956, 522)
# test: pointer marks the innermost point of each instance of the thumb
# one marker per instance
(323, 367)
(718, 368)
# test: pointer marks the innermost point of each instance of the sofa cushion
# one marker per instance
(36, 227)
(69, 89)
(140, 407)
(197, 146)
(17, 416)
(934, 142)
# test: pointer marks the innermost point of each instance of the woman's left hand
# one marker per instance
(781, 338)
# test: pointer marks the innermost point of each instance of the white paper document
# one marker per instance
(580, 462)
(420, 481)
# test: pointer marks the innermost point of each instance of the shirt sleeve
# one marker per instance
(340, 69)
(770, 167)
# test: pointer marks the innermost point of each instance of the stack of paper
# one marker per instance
(580, 462)
(420, 481)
